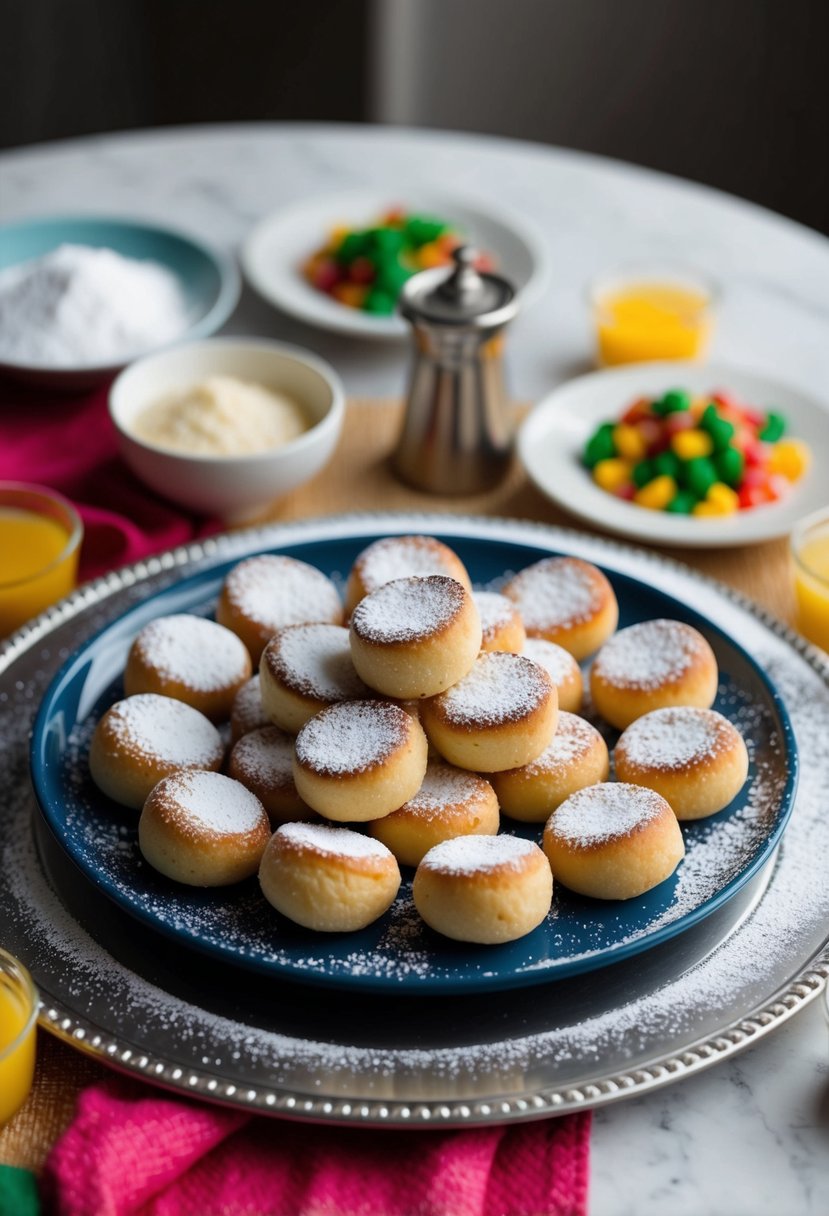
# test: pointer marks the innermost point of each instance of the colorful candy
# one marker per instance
(365, 268)
(706, 456)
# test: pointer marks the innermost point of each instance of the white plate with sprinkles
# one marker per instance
(399, 953)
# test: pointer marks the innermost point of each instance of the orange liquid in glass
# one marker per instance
(32, 576)
(811, 589)
(652, 321)
(17, 1058)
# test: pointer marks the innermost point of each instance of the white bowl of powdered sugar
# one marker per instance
(226, 426)
(82, 296)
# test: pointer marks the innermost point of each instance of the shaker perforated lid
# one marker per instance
(459, 296)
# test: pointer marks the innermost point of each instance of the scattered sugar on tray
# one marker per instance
(495, 611)
(265, 755)
(605, 812)
(649, 654)
(147, 724)
(200, 654)
(209, 802)
(282, 591)
(471, 854)
(333, 842)
(573, 738)
(445, 786)
(396, 557)
(500, 687)
(672, 738)
(408, 609)
(351, 737)
(556, 661)
(557, 591)
(78, 305)
(315, 660)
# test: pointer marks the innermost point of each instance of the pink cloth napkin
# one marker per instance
(69, 444)
(133, 1152)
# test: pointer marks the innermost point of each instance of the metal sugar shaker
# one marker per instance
(457, 435)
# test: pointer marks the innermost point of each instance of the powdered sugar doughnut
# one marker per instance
(562, 668)
(693, 757)
(414, 637)
(263, 761)
(567, 601)
(203, 829)
(359, 760)
(266, 593)
(330, 879)
(247, 712)
(190, 659)
(395, 557)
(144, 738)
(501, 715)
(501, 624)
(449, 803)
(485, 889)
(613, 841)
(304, 668)
(576, 757)
(652, 665)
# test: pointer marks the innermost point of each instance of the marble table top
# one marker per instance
(750, 1137)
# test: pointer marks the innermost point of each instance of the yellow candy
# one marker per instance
(708, 508)
(688, 445)
(612, 473)
(336, 236)
(790, 458)
(657, 493)
(723, 497)
(629, 442)
(430, 256)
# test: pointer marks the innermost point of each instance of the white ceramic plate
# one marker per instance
(274, 251)
(552, 439)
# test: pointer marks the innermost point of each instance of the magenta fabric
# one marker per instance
(68, 443)
(132, 1151)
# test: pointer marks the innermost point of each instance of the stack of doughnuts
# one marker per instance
(396, 729)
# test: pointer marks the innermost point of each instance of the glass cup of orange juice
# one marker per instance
(810, 559)
(652, 312)
(40, 540)
(18, 1017)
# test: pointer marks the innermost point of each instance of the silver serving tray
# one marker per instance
(135, 1000)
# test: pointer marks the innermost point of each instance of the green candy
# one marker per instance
(720, 429)
(391, 275)
(379, 302)
(667, 464)
(774, 428)
(355, 245)
(683, 503)
(698, 475)
(386, 242)
(729, 464)
(600, 445)
(673, 402)
(642, 473)
(422, 229)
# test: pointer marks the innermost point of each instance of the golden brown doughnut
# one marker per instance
(263, 760)
(567, 601)
(562, 668)
(247, 713)
(501, 624)
(693, 757)
(576, 757)
(395, 557)
(304, 668)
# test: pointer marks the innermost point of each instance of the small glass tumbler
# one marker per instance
(40, 540)
(18, 1032)
(657, 311)
(809, 544)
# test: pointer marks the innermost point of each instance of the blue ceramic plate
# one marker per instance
(399, 953)
(209, 280)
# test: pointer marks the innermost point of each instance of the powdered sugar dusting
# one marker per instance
(395, 557)
(500, 688)
(164, 729)
(444, 788)
(408, 609)
(315, 661)
(247, 713)
(275, 591)
(333, 842)
(650, 654)
(352, 737)
(574, 739)
(605, 812)
(496, 612)
(208, 803)
(479, 854)
(557, 593)
(675, 738)
(264, 757)
(556, 661)
(186, 649)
